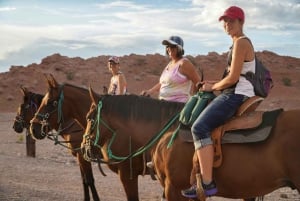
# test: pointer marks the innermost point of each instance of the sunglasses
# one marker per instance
(112, 62)
(171, 46)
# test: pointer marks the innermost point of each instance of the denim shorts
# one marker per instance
(215, 114)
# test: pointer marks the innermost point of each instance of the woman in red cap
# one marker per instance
(235, 89)
(118, 83)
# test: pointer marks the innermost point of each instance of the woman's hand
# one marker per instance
(145, 93)
(207, 86)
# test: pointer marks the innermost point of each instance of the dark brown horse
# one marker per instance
(68, 101)
(248, 170)
(71, 132)
(25, 112)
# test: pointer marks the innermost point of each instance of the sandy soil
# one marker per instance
(54, 174)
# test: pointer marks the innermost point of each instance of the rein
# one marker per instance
(139, 151)
(54, 137)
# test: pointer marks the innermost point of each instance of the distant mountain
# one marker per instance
(141, 72)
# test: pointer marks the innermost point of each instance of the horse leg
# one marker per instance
(173, 194)
(130, 184)
(87, 179)
(163, 196)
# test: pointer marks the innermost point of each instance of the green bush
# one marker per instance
(287, 81)
(70, 75)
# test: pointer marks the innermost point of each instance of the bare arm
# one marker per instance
(189, 70)
(122, 84)
(149, 92)
(242, 48)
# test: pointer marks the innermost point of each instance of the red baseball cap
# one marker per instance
(233, 12)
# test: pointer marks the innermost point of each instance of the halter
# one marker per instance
(87, 155)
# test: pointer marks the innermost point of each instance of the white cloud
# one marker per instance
(3, 9)
(124, 27)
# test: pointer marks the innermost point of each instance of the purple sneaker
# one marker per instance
(190, 192)
(210, 189)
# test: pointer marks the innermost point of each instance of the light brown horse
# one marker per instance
(71, 132)
(68, 101)
(248, 170)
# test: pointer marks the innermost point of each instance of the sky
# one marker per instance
(31, 30)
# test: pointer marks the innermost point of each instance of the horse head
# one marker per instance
(48, 115)
(26, 109)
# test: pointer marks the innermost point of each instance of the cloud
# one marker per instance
(125, 27)
(5, 9)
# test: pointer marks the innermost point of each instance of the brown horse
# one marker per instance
(71, 132)
(248, 170)
(68, 101)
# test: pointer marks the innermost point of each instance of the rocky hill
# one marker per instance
(141, 71)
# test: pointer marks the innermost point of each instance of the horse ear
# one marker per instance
(48, 80)
(105, 90)
(54, 83)
(201, 72)
(24, 91)
(92, 95)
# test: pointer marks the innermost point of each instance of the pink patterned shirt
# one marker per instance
(174, 85)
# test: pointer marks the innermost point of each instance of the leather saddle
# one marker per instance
(247, 126)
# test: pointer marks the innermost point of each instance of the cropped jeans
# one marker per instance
(215, 114)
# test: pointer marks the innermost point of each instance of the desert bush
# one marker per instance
(286, 81)
(20, 139)
(70, 75)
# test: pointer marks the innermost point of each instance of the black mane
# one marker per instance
(140, 108)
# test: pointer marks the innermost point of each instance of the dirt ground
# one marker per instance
(54, 174)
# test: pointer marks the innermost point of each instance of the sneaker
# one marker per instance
(210, 189)
(190, 192)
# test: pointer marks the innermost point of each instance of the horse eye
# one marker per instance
(92, 121)
(54, 103)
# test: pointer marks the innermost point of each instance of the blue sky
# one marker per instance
(33, 29)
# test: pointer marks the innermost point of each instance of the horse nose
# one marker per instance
(18, 128)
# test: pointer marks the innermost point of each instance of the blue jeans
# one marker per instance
(215, 114)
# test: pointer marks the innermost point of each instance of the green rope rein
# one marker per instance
(59, 106)
(139, 151)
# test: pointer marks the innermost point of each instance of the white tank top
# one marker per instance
(114, 86)
(243, 86)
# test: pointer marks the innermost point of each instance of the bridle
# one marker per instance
(31, 106)
(43, 119)
(51, 108)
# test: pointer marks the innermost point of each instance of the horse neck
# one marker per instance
(76, 104)
(34, 102)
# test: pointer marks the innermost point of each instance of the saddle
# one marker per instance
(246, 126)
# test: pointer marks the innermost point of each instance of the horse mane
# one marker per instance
(33, 96)
(140, 108)
(136, 107)
(77, 87)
